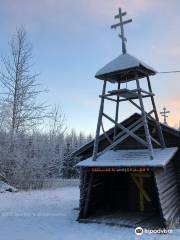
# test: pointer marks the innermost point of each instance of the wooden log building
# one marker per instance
(130, 174)
(132, 193)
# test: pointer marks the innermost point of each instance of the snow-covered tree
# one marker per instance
(20, 88)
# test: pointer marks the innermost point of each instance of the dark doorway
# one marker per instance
(123, 195)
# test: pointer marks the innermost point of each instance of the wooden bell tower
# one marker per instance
(123, 69)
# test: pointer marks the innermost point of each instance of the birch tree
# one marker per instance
(20, 86)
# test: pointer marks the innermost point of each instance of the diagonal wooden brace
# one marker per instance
(130, 133)
(138, 180)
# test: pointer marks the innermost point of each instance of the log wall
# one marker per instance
(168, 194)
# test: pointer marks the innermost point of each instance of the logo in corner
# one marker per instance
(139, 231)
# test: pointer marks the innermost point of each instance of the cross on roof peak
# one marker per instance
(121, 24)
(164, 114)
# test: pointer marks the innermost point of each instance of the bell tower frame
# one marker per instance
(122, 70)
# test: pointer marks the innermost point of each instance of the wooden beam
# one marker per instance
(154, 140)
(126, 135)
(117, 110)
(134, 98)
(146, 128)
(122, 14)
(122, 138)
(141, 189)
(138, 180)
(119, 140)
(120, 24)
(129, 127)
(141, 197)
(146, 92)
(119, 125)
(127, 21)
(96, 141)
(105, 134)
(87, 199)
(107, 98)
(156, 116)
(136, 105)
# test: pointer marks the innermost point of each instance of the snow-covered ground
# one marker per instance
(50, 215)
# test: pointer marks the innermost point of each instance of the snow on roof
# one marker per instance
(121, 63)
(131, 158)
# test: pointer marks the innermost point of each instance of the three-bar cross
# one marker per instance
(164, 114)
(121, 25)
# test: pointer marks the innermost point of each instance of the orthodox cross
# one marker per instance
(121, 25)
(164, 114)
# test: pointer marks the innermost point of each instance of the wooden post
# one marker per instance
(156, 116)
(141, 197)
(117, 111)
(146, 128)
(87, 198)
(122, 32)
(81, 188)
(96, 141)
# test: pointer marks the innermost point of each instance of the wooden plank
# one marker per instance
(167, 197)
(163, 178)
(135, 98)
(170, 191)
(166, 208)
(165, 186)
(170, 201)
(166, 180)
(171, 212)
(127, 93)
(165, 173)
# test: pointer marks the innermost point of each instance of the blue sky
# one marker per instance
(72, 40)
